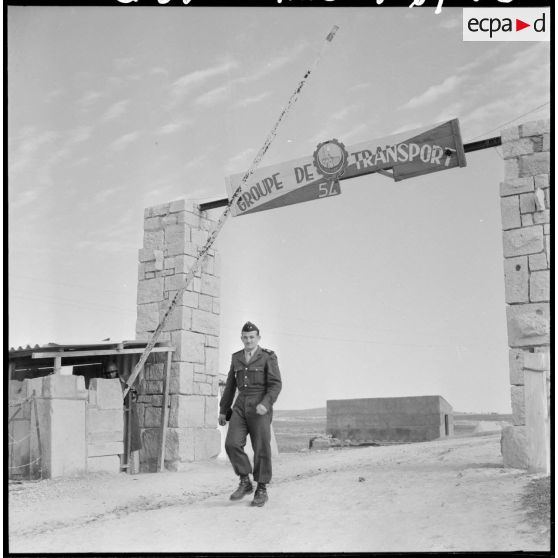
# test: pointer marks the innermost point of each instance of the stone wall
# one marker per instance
(173, 234)
(525, 204)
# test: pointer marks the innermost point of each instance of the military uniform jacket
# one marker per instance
(260, 377)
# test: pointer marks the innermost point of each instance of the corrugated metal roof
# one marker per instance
(106, 345)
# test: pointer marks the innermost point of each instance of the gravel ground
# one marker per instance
(536, 502)
(446, 495)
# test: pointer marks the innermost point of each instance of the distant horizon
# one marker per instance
(314, 409)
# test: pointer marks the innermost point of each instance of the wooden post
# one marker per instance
(537, 421)
(57, 364)
(165, 415)
(129, 433)
(38, 427)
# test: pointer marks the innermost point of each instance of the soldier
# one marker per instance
(255, 372)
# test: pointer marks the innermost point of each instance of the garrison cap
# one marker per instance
(249, 326)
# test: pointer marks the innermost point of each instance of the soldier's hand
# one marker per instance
(222, 420)
(261, 410)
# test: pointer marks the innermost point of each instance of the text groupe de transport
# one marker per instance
(402, 153)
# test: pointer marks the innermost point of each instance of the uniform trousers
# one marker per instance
(244, 421)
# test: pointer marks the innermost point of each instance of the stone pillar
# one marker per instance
(173, 234)
(61, 402)
(525, 205)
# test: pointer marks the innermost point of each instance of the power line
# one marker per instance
(336, 324)
(88, 287)
(499, 127)
(371, 342)
(76, 304)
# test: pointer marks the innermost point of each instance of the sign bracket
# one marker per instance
(385, 172)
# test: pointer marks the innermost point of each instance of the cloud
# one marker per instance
(240, 160)
(526, 60)
(24, 148)
(23, 199)
(466, 69)
(115, 236)
(321, 135)
(273, 64)
(506, 91)
(197, 79)
(79, 135)
(493, 116)
(359, 87)
(407, 128)
(124, 64)
(116, 246)
(158, 71)
(434, 93)
(450, 23)
(213, 97)
(80, 161)
(172, 127)
(123, 141)
(89, 99)
(194, 163)
(493, 87)
(454, 110)
(334, 124)
(116, 110)
(51, 95)
(35, 155)
(102, 196)
(243, 103)
(344, 112)
(183, 85)
(360, 132)
(115, 81)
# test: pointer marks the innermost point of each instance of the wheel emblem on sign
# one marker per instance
(331, 159)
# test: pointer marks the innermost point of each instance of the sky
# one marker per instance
(390, 289)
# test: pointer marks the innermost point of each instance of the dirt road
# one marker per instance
(447, 495)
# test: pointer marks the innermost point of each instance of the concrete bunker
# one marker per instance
(390, 419)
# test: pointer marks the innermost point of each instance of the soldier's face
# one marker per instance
(250, 339)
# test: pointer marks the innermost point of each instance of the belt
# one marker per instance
(251, 391)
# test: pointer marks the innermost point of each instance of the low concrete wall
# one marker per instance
(105, 425)
(389, 419)
(61, 412)
(73, 431)
(21, 454)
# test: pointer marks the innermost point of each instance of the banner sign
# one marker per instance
(426, 151)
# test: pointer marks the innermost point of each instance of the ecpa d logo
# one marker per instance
(506, 24)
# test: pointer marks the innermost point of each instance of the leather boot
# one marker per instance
(260, 497)
(245, 487)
